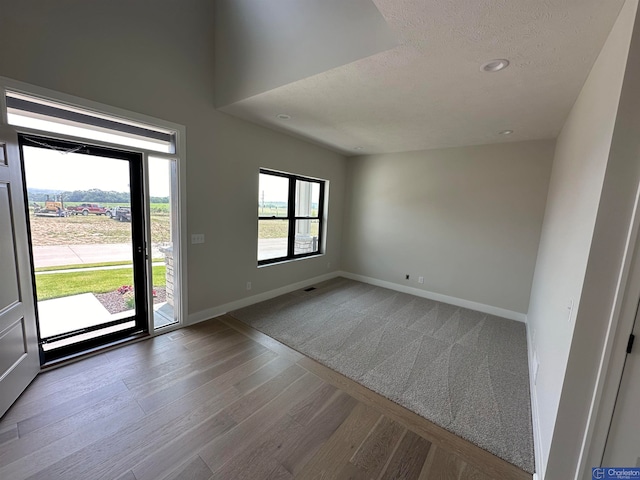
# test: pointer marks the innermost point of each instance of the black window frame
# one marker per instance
(292, 217)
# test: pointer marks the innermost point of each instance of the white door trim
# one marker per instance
(609, 376)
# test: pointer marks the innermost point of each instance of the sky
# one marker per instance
(49, 169)
(275, 188)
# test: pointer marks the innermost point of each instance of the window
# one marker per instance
(290, 216)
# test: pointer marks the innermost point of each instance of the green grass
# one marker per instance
(159, 208)
(88, 265)
(56, 285)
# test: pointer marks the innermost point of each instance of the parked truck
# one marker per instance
(122, 214)
(88, 208)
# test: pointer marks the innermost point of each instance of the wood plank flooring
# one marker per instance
(219, 400)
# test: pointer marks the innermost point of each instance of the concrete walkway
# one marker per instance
(59, 255)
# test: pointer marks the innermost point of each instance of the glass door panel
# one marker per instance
(163, 210)
(87, 240)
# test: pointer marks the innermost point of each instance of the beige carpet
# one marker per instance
(463, 370)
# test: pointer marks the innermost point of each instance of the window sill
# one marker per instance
(289, 260)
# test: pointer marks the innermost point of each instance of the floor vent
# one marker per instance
(309, 289)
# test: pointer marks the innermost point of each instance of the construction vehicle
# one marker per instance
(52, 208)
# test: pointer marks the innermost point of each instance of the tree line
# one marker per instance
(92, 196)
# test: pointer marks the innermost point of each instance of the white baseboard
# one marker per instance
(245, 302)
(261, 297)
(459, 302)
(535, 416)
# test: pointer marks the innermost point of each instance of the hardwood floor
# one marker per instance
(219, 400)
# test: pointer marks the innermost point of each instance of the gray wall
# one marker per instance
(157, 58)
(580, 163)
(467, 219)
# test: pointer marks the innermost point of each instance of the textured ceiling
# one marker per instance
(429, 92)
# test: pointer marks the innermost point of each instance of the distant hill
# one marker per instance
(92, 196)
(40, 194)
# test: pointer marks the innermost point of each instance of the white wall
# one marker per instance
(467, 219)
(264, 44)
(580, 163)
(607, 263)
(157, 58)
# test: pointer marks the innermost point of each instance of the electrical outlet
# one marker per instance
(406, 277)
(248, 285)
(328, 265)
(420, 279)
(197, 238)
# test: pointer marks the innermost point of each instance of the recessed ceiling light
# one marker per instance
(506, 132)
(283, 116)
(495, 65)
(357, 148)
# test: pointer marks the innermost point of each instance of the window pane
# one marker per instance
(272, 238)
(273, 195)
(306, 240)
(307, 198)
(163, 188)
(67, 212)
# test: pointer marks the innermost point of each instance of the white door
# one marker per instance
(19, 358)
(623, 442)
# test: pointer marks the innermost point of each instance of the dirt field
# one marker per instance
(80, 230)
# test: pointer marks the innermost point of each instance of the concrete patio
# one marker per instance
(68, 314)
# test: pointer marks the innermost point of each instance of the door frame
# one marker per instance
(138, 237)
(180, 155)
(620, 326)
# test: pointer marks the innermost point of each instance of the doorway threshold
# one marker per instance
(89, 352)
